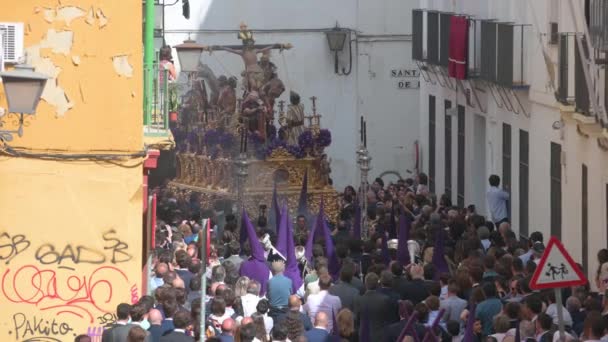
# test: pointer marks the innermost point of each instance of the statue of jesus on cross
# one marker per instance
(253, 75)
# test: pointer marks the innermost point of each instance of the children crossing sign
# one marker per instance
(556, 269)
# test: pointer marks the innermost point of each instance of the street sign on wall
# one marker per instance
(556, 269)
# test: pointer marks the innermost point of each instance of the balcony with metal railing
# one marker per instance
(158, 104)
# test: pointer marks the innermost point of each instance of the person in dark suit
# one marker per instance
(543, 328)
(375, 304)
(181, 321)
(386, 288)
(234, 249)
(156, 319)
(170, 310)
(320, 332)
(184, 261)
(119, 330)
(294, 305)
(366, 257)
(415, 290)
(348, 294)
(399, 280)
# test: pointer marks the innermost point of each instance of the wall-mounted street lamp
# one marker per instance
(189, 54)
(336, 38)
(23, 88)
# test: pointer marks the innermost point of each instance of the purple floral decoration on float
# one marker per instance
(306, 140)
(226, 140)
(323, 139)
(211, 137)
(294, 150)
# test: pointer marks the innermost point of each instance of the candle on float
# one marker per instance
(361, 129)
(365, 134)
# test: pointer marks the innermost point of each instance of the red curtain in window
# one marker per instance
(459, 47)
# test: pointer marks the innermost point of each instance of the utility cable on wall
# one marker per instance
(112, 158)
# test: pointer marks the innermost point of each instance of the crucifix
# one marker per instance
(254, 75)
(282, 119)
(315, 117)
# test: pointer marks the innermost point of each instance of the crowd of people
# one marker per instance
(462, 277)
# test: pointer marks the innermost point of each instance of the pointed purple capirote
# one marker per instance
(392, 228)
(441, 265)
(357, 223)
(365, 329)
(310, 241)
(316, 228)
(254, 268)
(303, 201)
(282, 231)
(403, 254)
(469, 334)
(275, 212)
(321, 229)
(291, 268)
(386, 257)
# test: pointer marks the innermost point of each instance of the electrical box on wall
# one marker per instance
(11, 39)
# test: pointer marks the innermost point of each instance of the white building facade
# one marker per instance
(382, 85)
(522, 113)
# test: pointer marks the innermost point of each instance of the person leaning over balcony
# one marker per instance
(166, 63)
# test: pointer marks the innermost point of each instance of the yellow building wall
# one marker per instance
(71, 231)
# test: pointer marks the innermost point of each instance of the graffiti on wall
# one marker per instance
(63, 283)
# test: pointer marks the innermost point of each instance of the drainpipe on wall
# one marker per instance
(149, 219)
(148, 58)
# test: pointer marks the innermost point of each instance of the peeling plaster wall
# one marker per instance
(71, 232)
(93, 101)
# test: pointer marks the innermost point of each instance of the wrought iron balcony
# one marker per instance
(162, 101)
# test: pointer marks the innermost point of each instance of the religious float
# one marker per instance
(229, 149)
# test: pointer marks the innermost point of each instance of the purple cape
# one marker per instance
(255, 268)
(291, 269)
(403, 255)
(330, 253)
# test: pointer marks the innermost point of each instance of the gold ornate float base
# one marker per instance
(215, 180)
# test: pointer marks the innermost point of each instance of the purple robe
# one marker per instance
(255, 268)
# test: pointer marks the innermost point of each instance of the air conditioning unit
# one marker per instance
(11, 35)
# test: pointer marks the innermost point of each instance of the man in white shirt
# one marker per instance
(497, 201)
(323, 301)
(251, 299)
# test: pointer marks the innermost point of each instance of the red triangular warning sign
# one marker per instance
(556, 269)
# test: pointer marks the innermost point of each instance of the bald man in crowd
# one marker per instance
(294, 304)
(159, 273)
(321, 330)
(156, 319)
(228, 327)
